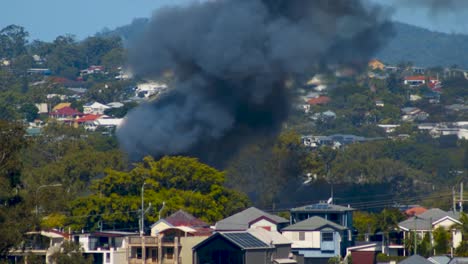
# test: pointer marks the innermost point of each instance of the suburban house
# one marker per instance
(413, 114)
(342, 215)
(414, 81)
(87, 121)
(171, 240)
(93, 69)
(104, 246)
(39, 243)
(251, 218)
(233, 248)
(316, 240)
(65, 114)
(95, 108)
(430, 220)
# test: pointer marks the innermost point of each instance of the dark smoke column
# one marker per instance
(232, 59)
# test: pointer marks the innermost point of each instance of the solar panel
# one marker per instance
(318, 206)
(245, 240)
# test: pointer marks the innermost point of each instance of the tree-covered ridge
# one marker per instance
(425, 48)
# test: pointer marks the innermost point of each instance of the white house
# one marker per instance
(105, 247)
(316, 239)
(95, 108)
(431, 220)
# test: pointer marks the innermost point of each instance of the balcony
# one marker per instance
(148, 241)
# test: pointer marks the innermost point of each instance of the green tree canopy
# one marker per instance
(180, 182)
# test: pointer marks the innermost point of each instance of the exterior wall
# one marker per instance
(187, 243)
(282, 251)
(258, 257)
(264, 223)
(457, 238)
(447, 223)
(363, 257)
(119, 256)
(311, 239)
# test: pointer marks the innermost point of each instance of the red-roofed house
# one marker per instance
(415, 80)
(66, 114)
(321, 100)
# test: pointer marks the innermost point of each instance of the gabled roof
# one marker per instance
(425, 220)
(439, 259)
(66, 111)
(269, 237)
(314, 223)
(243, 240)
(243, 220)
(96, 105)
(182, 218)
(415, 259)
(322, 207)
(459, 260)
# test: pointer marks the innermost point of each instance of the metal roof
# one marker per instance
(322, 207)
(415, 259)
(242, 220)
(425, 220)
(245, 240)
(314, 223)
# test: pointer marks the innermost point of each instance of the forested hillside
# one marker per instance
(425, 48)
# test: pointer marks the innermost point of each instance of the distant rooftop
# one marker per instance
(322, 207)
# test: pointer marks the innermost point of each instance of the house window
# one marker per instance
(108, 260)
(302, 236)
(328, 236)
(138, 253)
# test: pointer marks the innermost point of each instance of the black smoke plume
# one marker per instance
(232, 60)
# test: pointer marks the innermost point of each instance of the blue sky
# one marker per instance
(47, 19)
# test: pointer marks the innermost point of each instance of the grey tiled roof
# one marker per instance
(241, 220)
(459, 261)
(425, 220)
(439, 259)
(322, 207)
(415, 259)
(314, 223)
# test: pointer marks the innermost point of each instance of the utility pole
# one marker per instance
(461, 197)
(142, 230)
(454, 204)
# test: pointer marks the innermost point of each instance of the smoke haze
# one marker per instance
(231, 60)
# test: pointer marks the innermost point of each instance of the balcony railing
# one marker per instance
(149, 241)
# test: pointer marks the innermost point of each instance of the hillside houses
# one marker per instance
(315, 233)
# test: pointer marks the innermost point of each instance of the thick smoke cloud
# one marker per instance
(232, 60)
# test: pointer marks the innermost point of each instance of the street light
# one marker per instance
(44, 186)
